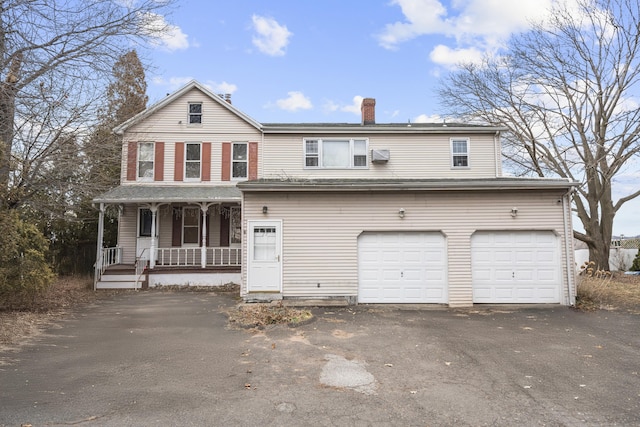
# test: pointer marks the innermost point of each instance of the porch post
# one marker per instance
(204, 207)
(98, 269)
(152, 256)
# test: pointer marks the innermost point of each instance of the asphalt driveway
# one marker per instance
(155, 358)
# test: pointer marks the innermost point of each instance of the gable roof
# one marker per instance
(121, 128)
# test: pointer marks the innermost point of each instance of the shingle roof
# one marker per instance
(176, 194)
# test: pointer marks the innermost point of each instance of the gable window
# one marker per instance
(190, 225)
(239, 160)
(192, 161)
(335, 153)
(195, 113)
(460, 152)
(145, 160)
(144, 223)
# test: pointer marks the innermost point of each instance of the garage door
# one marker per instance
(515, 267)
(406, 267)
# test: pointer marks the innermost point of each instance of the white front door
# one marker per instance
(264, 272)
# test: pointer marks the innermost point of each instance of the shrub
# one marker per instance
(24, 272)
(636, 262)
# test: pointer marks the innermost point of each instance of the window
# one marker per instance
(144, 224)
(235, 224)
(264, 243)
(190, 226)
(460, 153)
(335, 153)
(239, 160)
(195, 113)
(192, 161)
(145, 160)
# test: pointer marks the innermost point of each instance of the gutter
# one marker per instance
(568, 235)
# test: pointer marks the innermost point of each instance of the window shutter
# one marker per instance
(176, 232)
(225, 220)
(132, 160)
(226, 161)
(158, 172)
(206, 161)
(178, 172)
(253, 161)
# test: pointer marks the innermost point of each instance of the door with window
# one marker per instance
(264, 272)
(143, 242)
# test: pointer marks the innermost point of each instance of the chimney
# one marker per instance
(368, 109)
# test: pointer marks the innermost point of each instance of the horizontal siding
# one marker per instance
(320, 231)
(127, 232)
(412, 157)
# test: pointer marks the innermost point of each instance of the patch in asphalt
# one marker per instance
(342, 373)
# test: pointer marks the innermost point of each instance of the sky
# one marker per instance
(287, 61)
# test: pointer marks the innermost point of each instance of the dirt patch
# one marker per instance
(259, 315)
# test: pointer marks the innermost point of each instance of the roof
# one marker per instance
(120, 129)
(492, 184)
(169, 194)
(431, 128)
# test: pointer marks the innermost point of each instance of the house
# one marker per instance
(360, 212)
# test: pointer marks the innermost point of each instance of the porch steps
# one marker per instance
(119, 281)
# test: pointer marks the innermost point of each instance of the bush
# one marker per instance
(24, 272)
(636, 262)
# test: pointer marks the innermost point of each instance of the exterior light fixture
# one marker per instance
(265, 209)
(401, 212)
(514, 212)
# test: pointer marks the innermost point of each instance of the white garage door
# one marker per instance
(515, 267)
(402, 267)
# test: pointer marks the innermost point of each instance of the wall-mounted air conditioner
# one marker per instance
(380, 156)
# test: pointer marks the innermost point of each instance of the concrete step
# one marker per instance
(118, 285)
(119, 277)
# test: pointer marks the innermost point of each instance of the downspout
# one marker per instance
(568, 235)
(497, 154)
(98, 269)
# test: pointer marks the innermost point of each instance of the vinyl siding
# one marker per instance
(412, 157)
(320, 231)
(218, 125)
(127, 232)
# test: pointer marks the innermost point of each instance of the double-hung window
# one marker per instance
(239, 159)
(193, 161)
(235, 224)
(190, 225)
(335, 153)
(195, 113)
(144, 222)
(145, 160)
(460, 152)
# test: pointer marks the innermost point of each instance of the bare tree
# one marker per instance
(55, 60)
(566, 91)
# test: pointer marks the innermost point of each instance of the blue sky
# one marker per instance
(314, 60)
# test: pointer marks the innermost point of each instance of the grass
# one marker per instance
(614, 291)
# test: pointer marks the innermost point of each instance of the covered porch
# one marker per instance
(170, 235)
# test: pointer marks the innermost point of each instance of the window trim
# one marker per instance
(320, 154)
(186, 161)
(467, 153)
(246, 161)
(199, 216)
(190, 114)
(153, 161)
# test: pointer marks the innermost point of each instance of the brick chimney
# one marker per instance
(368, 109)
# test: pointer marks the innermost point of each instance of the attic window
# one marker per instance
(195, 113)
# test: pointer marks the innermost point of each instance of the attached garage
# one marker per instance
(516, 267)
(402, 267)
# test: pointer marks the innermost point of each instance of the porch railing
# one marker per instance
(141, 264)
(192, 257)
(110, 256)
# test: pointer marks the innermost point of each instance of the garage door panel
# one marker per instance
(516, 267)
(410, 267)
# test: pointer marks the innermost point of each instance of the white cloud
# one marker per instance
(447, 57)
(271, 38)
(355, 107)
(223, 87)
(296, 101)
(172, 83)
(172, 38)
(423, 118)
